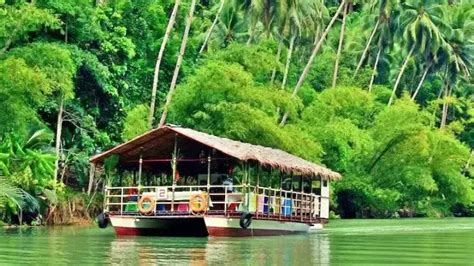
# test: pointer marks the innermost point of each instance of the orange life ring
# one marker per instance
(198, 202)
(151, 204)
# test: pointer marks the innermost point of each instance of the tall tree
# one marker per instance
(209, 32)
(458, 56)
(154, 89)
(339, 47)
(419, 22)
(315, 51)
(184, 42)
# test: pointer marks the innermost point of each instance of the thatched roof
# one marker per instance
(242, 151)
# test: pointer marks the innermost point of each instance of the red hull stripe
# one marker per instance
(237, 232)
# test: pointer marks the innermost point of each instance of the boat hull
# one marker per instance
(224, 226)
(152, 226)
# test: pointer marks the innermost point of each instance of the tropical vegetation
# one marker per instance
(380, 91)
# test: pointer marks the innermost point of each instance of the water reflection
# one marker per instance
(301, 249)
(424, 241)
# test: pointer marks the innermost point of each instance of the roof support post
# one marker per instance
(301, 198)
(258, 191)
(280, 205)
(208, 177)
(173, 168)
(140, 167)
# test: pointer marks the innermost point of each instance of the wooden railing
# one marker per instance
(229, 200)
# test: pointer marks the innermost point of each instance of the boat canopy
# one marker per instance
(159, 143)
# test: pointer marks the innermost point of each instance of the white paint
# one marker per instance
(324, 199)
(315, 228)
(132, 222)
(225, 222)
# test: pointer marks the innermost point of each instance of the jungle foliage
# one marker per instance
(380, 91)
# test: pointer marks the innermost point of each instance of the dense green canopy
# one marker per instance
(77, 78)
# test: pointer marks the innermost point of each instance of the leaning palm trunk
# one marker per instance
(374, 70)
(315, 51)
(288, 61)
(366, 49)
(280, 45)
(171, 21)
(178, 63)
(59, 128)
(421, 81)
(208, 35)
(339, 47)
(252, 33)
(444, 115)
(399, 77)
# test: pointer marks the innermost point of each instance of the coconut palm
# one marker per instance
(420, 30)
(339, 47)
(382, 23)
(178, 62)
(315, 51)
(154, 89)
(214, 23)
(260, 11)
(298, 16)
(230, 27)
(458, 57)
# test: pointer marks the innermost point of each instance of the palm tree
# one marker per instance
(419, 21)
(209, 32)
(230, 26)
(178, 63)
(297, 16)
(263, 11)
(339, 47)
(382, 20)
(459, 56)
(171, 21)
(315, 51)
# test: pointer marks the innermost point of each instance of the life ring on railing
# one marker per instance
(198, 203)
(245, 220)
(150, 203)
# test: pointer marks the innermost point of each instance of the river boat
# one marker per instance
(177, 181)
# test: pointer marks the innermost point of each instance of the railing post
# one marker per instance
(225, 200)
(107, 198)
(121, 201)
(172, 197)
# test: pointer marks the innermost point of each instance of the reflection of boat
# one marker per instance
(286, 250)
(217, 186)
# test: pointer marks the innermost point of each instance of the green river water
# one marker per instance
(343, 242)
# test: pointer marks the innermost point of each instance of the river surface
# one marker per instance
(342, 242)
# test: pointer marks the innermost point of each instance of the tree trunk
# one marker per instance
(399, 77)
(367, 46)
(444, 115)
(277, 61)
(171, 21)
(288, 61)
(178, 63)
(421, 81)
(91, 177)
(315, 51)
(59, 128)
(339, 47)
(468, 163)
(208, 36)
(252, 33)
(374, 71)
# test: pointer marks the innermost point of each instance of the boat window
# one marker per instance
(325, 183)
